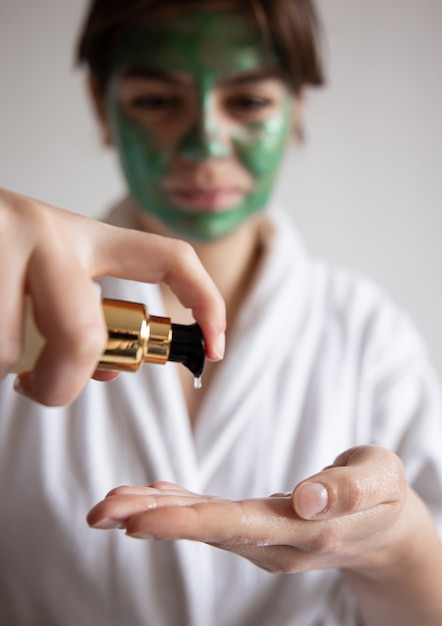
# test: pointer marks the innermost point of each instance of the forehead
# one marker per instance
(220, 41)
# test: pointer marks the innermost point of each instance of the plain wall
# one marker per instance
(365, 188)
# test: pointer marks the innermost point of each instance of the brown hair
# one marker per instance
(291, 25)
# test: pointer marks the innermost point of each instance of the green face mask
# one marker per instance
(206, 46)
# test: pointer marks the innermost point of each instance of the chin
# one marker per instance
(209, 227)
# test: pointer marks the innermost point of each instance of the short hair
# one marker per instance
(291, 26)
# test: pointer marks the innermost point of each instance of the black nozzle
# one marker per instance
(187, 347)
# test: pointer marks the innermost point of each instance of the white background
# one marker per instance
(366, 187)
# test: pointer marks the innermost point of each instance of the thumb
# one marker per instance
(359, 479)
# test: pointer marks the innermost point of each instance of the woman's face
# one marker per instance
(201, 115)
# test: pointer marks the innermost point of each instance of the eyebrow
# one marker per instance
(251, 77)
(152, 73)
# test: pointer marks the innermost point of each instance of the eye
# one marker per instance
(157, 102)
(250, 103)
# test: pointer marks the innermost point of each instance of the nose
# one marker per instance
(204, 139)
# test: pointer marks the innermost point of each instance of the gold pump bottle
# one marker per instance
(134, 337)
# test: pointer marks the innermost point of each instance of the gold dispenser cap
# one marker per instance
(134, 336)
(157, 347)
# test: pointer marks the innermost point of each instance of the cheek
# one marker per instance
(261, 148)
(140, 152)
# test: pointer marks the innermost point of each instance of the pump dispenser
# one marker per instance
(134, 337)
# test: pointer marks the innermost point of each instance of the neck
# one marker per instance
(232, 262)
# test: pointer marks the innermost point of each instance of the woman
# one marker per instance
(200, 99)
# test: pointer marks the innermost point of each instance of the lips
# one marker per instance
(204, 198)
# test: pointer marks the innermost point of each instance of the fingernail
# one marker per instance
(107, 524)
(310, 500)
(221, 345)
(139, 535)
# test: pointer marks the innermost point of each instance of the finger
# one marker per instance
(360, 479)
(68, 314)
(11, 312)
(166, 486)
(125, 501)
(118, 503)
(152, 258)
(105, 376)
(124, 506)
(15, 241)
(160, 486)
(126, 490)
(220, 522)
(154, 488)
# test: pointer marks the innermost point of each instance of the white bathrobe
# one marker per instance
(318, 361)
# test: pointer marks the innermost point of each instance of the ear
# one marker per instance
(98, 102)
